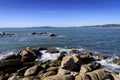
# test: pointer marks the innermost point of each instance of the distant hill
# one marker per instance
(106, 25)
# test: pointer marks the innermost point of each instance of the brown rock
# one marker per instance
(30, 78)
(71, 63)
(50, 73)
(85, 69)
(86, 58)
(59, 77)
(63, 71)
(52, 69)
(94, 65)
(117, 61)
(28, 55)
(32, 71)
(78, 77)
(68, 63)
(14, 77)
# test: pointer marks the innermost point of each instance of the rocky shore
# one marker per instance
(73, 66)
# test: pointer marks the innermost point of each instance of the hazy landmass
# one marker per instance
(105, 25)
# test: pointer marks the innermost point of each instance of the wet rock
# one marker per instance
(115, 77)
(117, 61)
(59, 77)
(9, 66)
(100, 57)
(41, 48)
(5, 34)
(74, 51)
(52, 50)
(32, 70)
(62, 54)
(10, 62)
(13, 56)
(52, 35)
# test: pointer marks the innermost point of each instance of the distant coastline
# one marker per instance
(102, 26)
(89, 26)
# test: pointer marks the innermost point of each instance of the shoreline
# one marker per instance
(51, 63)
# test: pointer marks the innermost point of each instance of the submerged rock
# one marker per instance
(38, 33)
(52, 35)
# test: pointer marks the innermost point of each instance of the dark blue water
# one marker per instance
(101, 40)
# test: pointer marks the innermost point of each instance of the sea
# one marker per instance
(105, 41)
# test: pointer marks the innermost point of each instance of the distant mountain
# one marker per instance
(106, 25)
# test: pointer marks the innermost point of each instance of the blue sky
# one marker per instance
(26, 13)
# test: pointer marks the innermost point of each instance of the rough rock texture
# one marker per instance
(32, 71)
(59, 77)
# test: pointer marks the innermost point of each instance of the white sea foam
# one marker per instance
(108, 63)
(61, 36)
(48, 56)
(2, 56)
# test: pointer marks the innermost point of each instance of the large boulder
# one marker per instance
(71, 63)
(32, 70)
(59, 77)
(86, 58)
(28, 54)
(9, 66)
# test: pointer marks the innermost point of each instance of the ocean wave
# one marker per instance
(22, 39)
(107, 64)
(2, 56)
